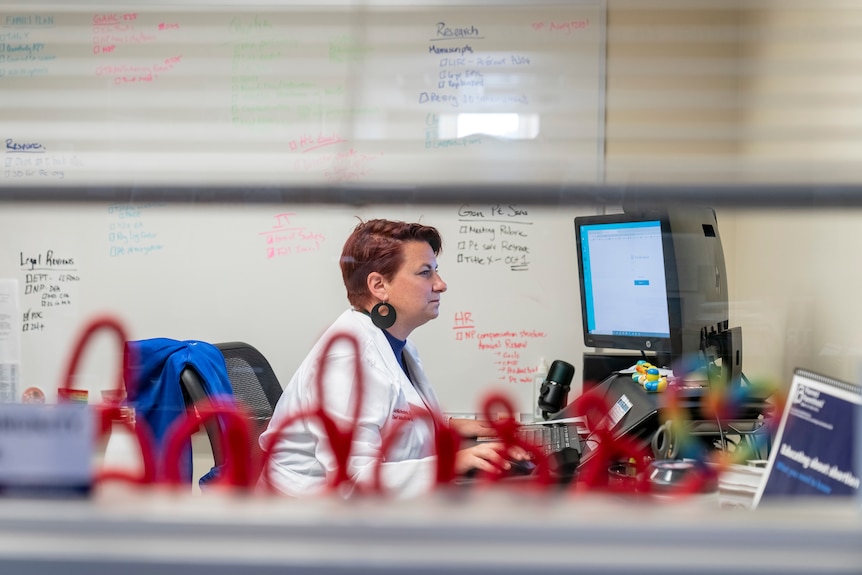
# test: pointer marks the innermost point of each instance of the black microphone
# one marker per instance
(555, 388)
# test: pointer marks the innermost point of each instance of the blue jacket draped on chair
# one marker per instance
(155, 391)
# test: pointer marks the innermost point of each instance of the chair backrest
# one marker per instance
(255, 386)
(194, 392)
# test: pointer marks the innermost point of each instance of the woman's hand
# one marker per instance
(472, 427)
(490, 457)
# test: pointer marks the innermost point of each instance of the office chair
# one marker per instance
(255, 388)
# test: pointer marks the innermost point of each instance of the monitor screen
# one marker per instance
(652, 280)
(623, 283)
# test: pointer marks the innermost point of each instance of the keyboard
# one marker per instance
(559, 441)
(549, 437)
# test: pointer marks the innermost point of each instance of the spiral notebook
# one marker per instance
(816, 442)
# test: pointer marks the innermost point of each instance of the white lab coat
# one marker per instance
(302, 459)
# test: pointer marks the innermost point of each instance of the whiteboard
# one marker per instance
(268, 274)
(217, 94)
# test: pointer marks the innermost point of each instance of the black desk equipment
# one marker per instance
(647, 411)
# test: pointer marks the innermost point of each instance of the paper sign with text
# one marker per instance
(46, 447)
(813, 451)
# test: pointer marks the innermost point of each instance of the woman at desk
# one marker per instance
(390, 272)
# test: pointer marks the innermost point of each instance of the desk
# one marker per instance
(489, 532)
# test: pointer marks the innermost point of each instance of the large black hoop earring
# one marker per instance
(383, 320)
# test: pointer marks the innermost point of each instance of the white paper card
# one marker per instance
(46, 446)
(10, 340)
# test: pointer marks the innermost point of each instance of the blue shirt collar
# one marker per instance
(397, 348)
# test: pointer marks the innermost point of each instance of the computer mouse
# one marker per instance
(520, 467)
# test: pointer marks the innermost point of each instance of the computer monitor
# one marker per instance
(652, 280)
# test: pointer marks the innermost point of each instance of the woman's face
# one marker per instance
(415, 289)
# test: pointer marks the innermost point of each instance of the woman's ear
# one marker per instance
(376, 285)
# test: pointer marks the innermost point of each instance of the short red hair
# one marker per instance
(377, 246)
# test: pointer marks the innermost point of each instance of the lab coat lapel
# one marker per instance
(419, 380)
